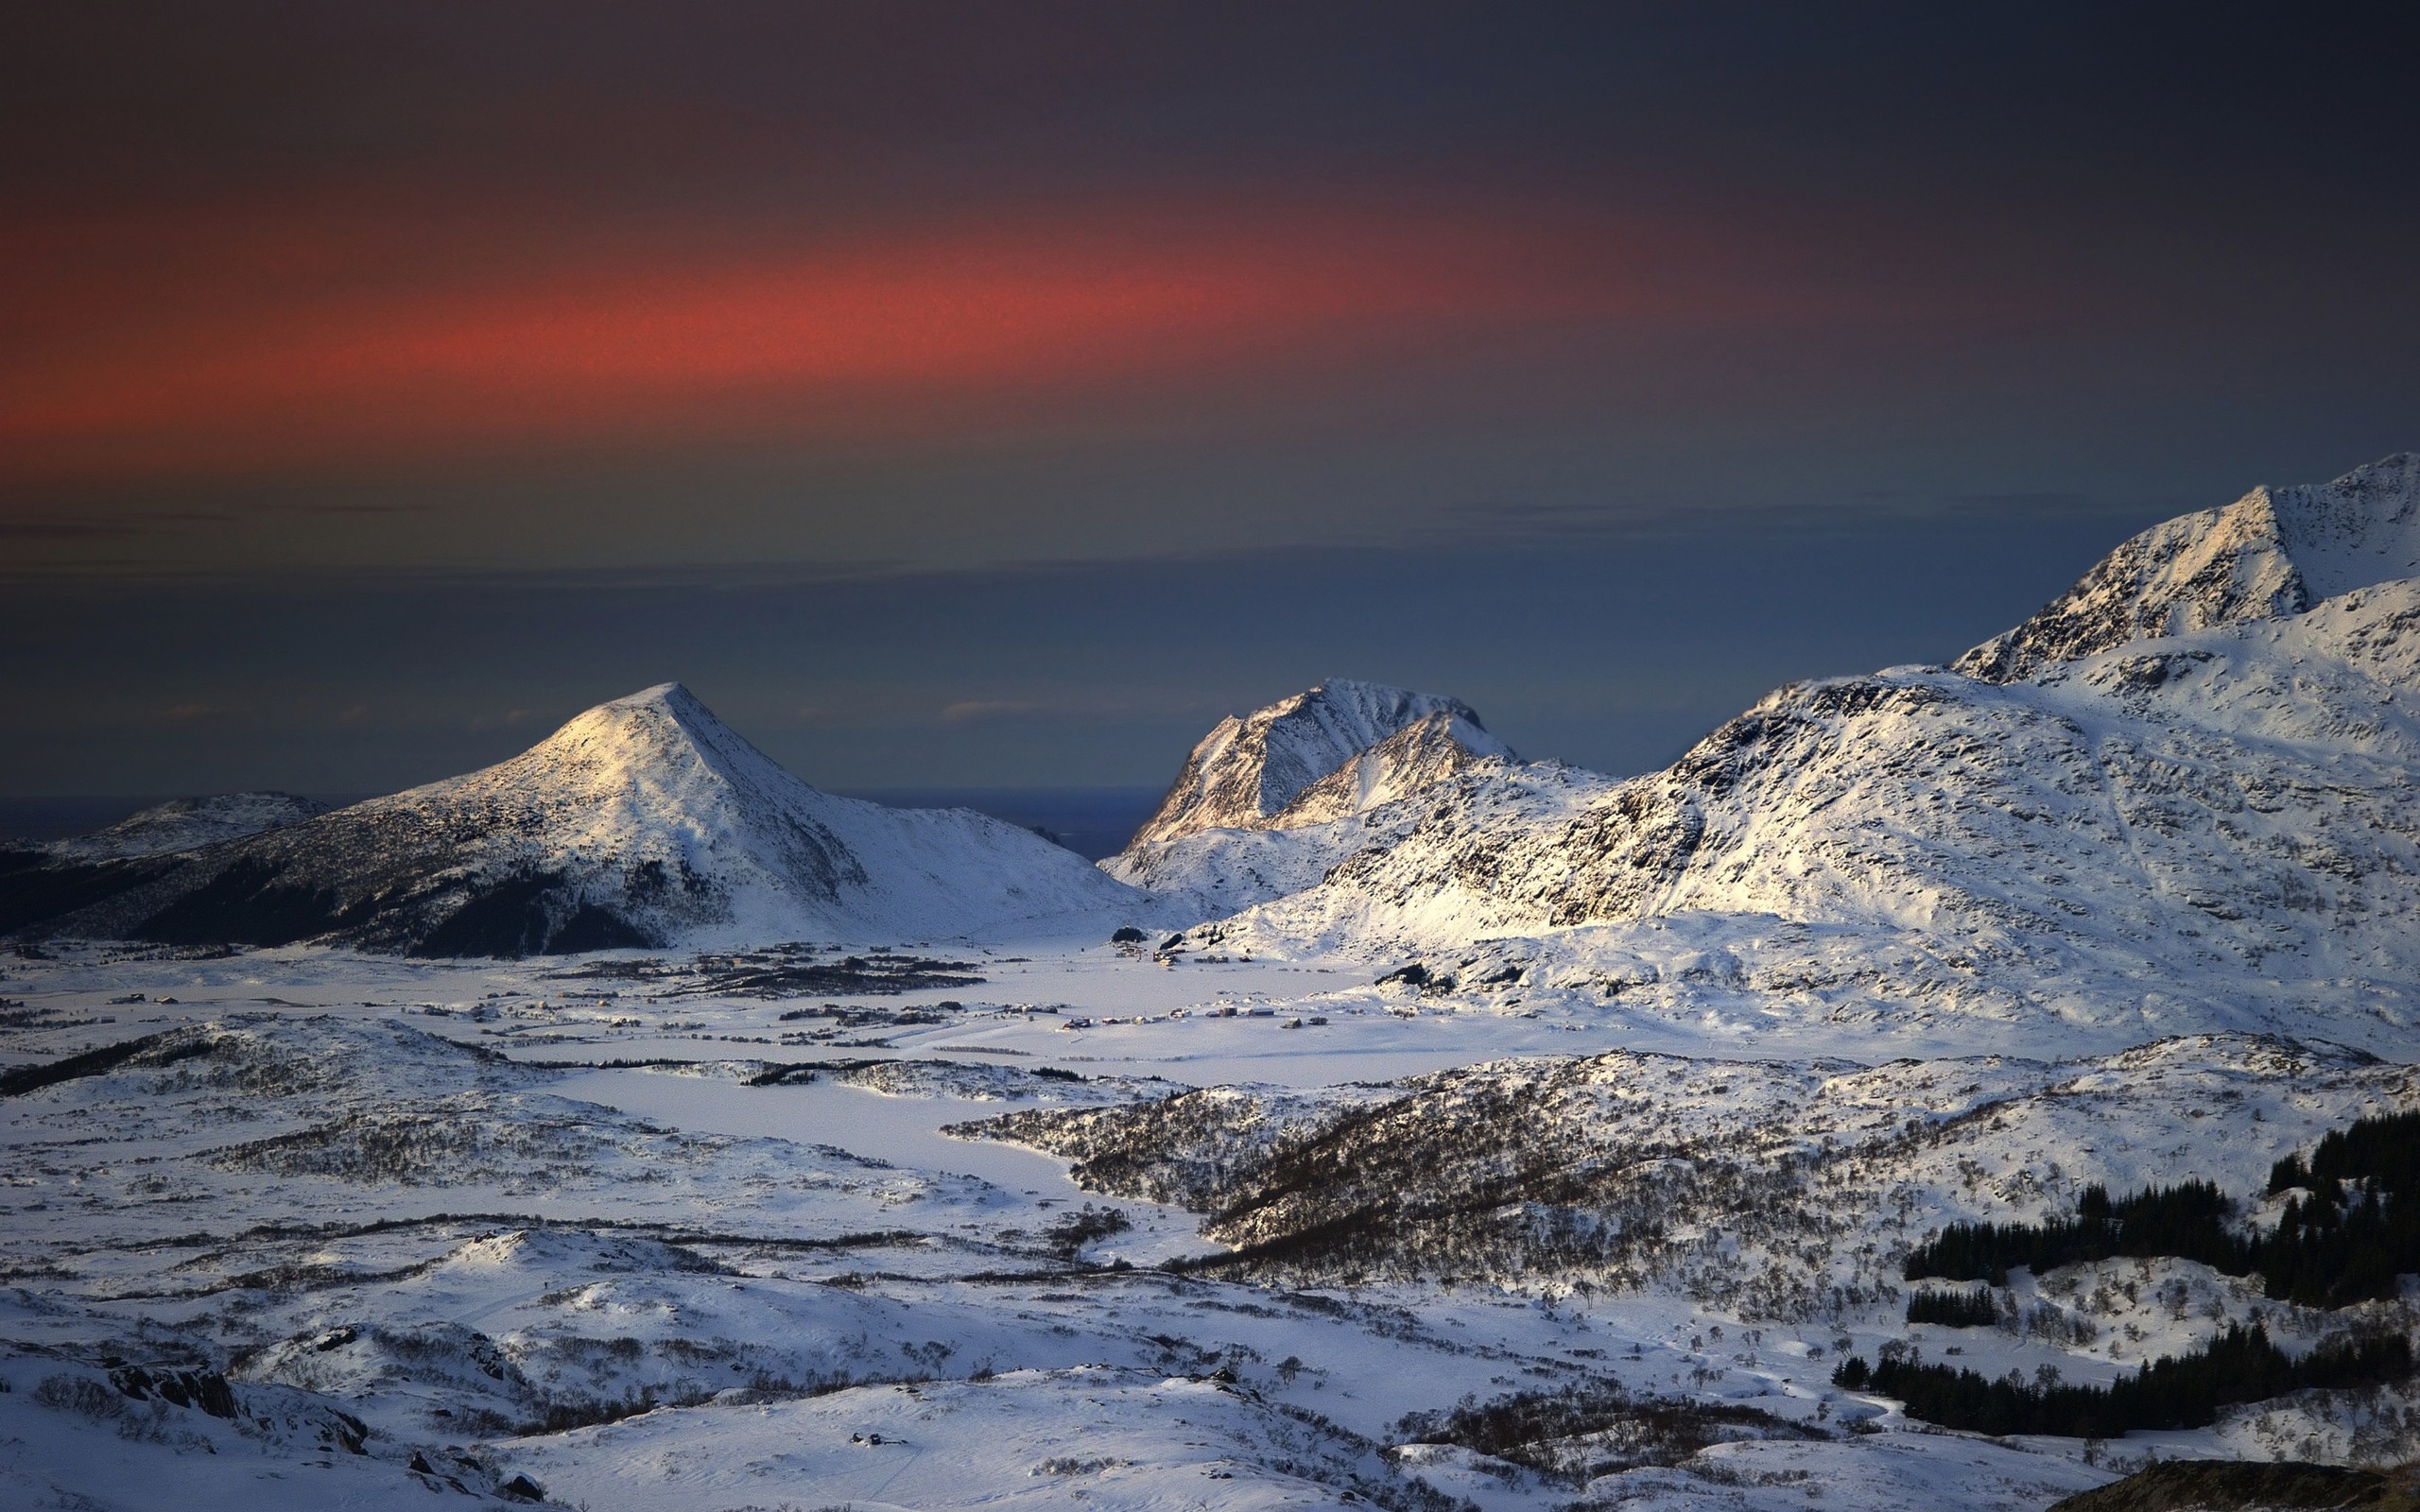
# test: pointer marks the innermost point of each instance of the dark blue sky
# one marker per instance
(994, 395)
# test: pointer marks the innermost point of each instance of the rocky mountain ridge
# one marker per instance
(2273, 553)
(1258, 771)
(2215, 829)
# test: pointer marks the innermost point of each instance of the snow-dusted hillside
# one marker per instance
(643, 821)
(1319, 747)
(187, 823)
(2219, 828)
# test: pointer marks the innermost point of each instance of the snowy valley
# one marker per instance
(1396, 1122)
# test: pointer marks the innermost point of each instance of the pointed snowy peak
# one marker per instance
(2273, 553)
(662, 722)
(1249, 771)
(185, 823)
(644, 821)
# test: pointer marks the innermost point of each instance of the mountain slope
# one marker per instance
(1248, 772)
(2212, 830)
(644, 821)
(185, 823)
(2274, 552)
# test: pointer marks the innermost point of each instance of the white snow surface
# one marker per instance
(438, 1226)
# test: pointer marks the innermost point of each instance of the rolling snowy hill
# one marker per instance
(2215, 829)
(641, 822)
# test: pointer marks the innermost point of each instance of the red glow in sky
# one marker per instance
(208, 361)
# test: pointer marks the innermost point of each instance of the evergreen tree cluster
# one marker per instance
(1957, 1310)
(2188, 1221)
(2346, 1239)
(2335, 1246)
(2182, 1391)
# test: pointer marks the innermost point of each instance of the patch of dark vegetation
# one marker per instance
(2354, 1230)
(1086, 1225)
(1419, 977)
(843, 1016)
(1957, 1310)
(1573, 1435)
(2229, 1486)
(2178, 1392)
(802, 1073)
(1467, 1173)
(251, 901)
(529, 912)
(154, 1049)
(15, 1015)
(2187, 1222)
(1127, 934)
(790, 971)
(2358, 1228)
(205, 1389)
(436, 1144)
(36, 889)
(871, 975)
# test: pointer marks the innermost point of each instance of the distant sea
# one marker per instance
(1092, 821)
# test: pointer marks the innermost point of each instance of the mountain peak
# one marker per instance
(2271, 554)
(673, 697)
(642, 821)
(662, 710)
(657, 745)
(1251, 769)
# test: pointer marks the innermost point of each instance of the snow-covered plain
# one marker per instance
(881, 1176)
(514, 1219)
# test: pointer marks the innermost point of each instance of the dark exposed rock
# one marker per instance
(2226, 1485)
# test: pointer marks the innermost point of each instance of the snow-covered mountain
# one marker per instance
(2272, 553)
(1250, 773)
(1255, 816)
(2217, 828)
(185, 823)
(644, 821)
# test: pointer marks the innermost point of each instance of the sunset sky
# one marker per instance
(996, 394)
